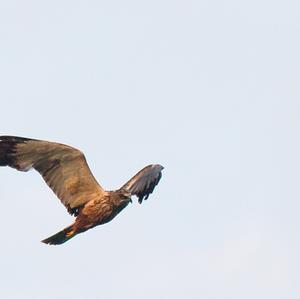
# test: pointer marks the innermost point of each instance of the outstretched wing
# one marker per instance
(144, 182)
(64, 168)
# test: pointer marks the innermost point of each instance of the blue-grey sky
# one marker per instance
(209, 89)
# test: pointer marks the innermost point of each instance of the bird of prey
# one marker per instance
(66, 172)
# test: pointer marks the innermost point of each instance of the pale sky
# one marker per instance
(208, 89)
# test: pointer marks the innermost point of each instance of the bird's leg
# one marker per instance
(70, 234)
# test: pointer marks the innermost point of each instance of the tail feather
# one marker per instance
(61, 237)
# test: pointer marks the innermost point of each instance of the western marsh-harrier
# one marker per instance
(66, 172)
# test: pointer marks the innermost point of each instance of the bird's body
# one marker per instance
(95, 212)
(66, 172)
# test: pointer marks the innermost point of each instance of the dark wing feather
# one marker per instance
(64, 168)
(144, 182)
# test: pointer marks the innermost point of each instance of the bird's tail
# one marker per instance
(61, 237)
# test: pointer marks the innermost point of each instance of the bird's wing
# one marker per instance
(64, 168)
(144, 182)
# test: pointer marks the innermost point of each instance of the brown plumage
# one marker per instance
(66, 172)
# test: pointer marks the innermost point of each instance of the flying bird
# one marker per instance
(66, 172)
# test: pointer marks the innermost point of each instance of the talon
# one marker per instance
(70, 234)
